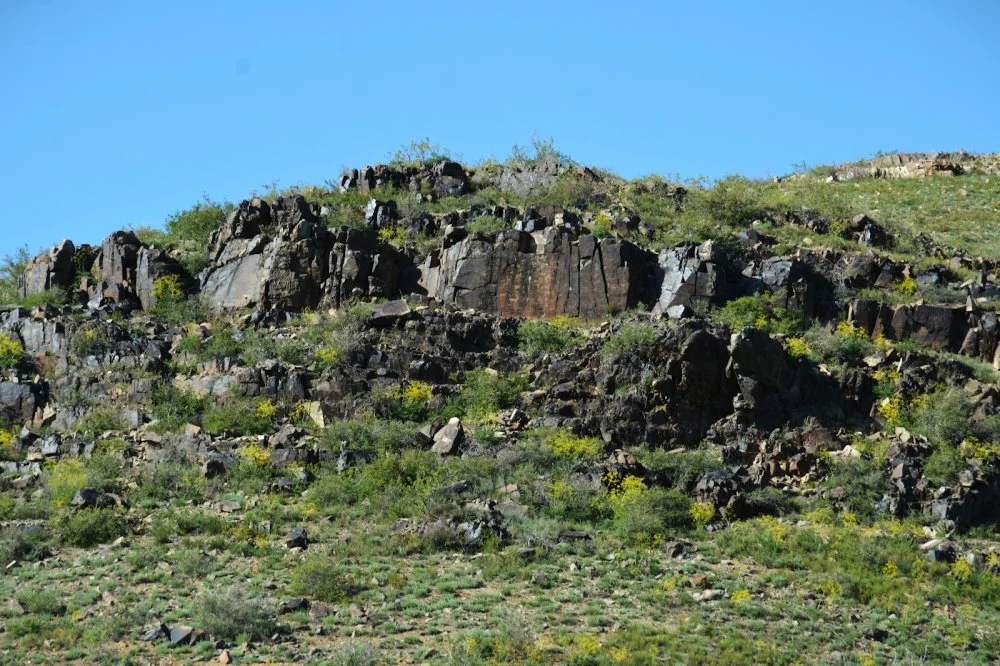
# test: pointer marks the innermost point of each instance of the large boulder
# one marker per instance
(691, 274)
(283, 256)
(937, 326)
(18, 401)
(537, 274)
(53, 269)
(126, 270)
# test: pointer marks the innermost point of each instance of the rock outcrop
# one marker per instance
(54, 269)
(540, 274)
(283, 256)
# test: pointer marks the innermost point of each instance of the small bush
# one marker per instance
(735, 201)
(88, 527)
(240, 417)
(180, 310)
(486, 225)
(354, 654)
(40, 602)
(408, 401)
(25, 545)
(56, 297)
(547, 336)
(862, 482)
(321, 578)
(193, 226)
(231, 612)
(327, 357)
(643, 515)
(100, 419)
(90, 340)
(12, 267)
(601, 226)
(484, 393)
(64, 479)
(173, 408)
(764, 311)
(166, 480)
(7, 440)
(637, 340)
(944, 465)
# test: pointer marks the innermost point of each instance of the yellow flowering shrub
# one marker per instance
(961, 569)
(413, 392)
(11, 351)
(265, 409)
(168, 287)
(702, 512)
(798, 348)
(327, 356)
(255, 454)
(6, 441)
(564, 444)
(907, 286)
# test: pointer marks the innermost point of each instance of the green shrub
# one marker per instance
(63, 479)
(601, 226)
(735, 201)
(90, 340)
(88, 527)
(173, 408)
(547, 336)
(486, 225)
(484, 393)
(192, 227)
(176, 311)
(239, 417)
(100, 419)
(944, 465)
(862, 482)
(846, 343)
(41, 602)
(260, 346)
(224, 343)
(576, 498)
(354, 654)
(166, 480)
(25, 545)
(322, 578)
(637, 340)
(422, 152)
(408, 401)
(643, 515)
(393, 484)
(230, 613)
(681, 469)
(763, 310)
(56, 297)
(168, 287)
(368, 438)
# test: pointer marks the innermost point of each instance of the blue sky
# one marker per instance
(119, 113)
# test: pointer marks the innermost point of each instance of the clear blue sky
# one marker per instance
(119, 113)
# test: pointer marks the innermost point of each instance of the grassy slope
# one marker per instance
(811, 591)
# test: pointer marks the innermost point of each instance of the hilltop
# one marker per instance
(524, 412)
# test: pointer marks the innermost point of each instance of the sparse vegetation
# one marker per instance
(613, 499)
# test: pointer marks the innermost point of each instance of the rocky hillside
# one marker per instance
(514, 412)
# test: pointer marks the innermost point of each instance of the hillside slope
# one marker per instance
(524, 412)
